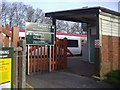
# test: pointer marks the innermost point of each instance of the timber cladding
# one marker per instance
(110, 57)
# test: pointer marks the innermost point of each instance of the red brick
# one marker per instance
(110, 54)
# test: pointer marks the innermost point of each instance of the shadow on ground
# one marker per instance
(75, 76)
(79, 67)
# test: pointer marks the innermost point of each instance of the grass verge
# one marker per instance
(113, 78)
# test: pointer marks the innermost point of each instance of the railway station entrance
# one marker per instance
(90, 53)
(97, 57)
(102, 29)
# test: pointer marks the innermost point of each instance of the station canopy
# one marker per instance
(84, 15)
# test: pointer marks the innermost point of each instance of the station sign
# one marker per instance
(39, 34)
(6, 67)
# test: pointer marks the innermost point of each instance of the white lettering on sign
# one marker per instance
(36, 42)
(36, 37)
(4, 52)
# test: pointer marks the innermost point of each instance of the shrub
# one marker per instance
(114, 78)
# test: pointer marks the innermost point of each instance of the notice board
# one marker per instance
(6, 67)
(39, 34)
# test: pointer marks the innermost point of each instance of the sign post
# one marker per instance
(50, 60)
(28, 60)
(6, 67)
(39, 34)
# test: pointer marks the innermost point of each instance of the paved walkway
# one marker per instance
(79, 67)
(73, 77)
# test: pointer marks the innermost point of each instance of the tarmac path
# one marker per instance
(73, 77)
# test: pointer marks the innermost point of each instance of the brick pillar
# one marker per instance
(110, 54)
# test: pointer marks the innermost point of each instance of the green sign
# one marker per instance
(39, 34)
(39, 38)
(30, 26)
(6, 67)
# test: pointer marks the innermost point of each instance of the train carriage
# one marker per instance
(74, 41)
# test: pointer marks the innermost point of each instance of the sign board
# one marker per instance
(39, 34)
(97, 43)
(6, 67)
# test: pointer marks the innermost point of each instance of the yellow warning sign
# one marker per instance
(5, 70)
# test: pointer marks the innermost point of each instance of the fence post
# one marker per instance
(15, 36)
(53, 58)
(1, 41)
(1, 38)
(6, 38)
(15, 39)
(65, 52)
(1, 44)
(16, 79)
(28, 57)
(22, 64)
(15, 76)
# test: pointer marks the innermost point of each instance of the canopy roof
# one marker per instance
(85, 15)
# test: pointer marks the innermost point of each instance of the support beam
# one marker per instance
(97, 50)
(54, 23)
(54, 50)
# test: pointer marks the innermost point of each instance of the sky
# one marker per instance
(60, 5)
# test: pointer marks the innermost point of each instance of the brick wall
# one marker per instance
(110, 57)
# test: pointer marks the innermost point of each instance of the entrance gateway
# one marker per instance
(43, 54)
(103, 31)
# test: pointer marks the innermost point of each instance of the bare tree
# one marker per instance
(19, 10)
(69, 27)
(13, 14)
(76, 28)
(4, 12)
(30, 14)
(59, 25)
(38, 16)
(47, 20)
(62, 26)
(18, 13)
(0, 13)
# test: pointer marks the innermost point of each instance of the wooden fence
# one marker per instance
(40, 58)
(47, 58)
(11, 39)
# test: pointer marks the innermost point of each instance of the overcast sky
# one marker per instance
(58, 5)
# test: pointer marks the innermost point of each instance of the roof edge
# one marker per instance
(97, 8)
